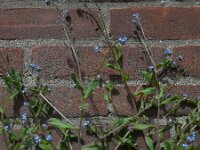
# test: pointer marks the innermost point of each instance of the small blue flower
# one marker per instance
(86, 122)
(191, 137)
(185, 145)
(185, 96)
(37, 139)
(198, 97)
(150, 68)
(168, 52)
(122, 39)
(23, 117)
(97, 49)
(35, 66)
(47, 2)
(45, 126)
(49, 137)
(7, 127)
(26, 103)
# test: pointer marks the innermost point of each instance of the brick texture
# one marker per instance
(58, 62)
(158, 22)
(36, 23)
(11, 57)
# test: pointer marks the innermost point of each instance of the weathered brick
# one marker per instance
(158, 22)
(11, 57)
(36, 23)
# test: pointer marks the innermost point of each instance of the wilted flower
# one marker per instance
(136, 18)
(150, 68)
(180, 57)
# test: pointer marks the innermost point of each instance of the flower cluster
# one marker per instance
(35, 66)
(86, 122)
(168, 52)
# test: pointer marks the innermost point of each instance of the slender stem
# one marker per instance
(118, 145)
(79, 130)
(43, 97)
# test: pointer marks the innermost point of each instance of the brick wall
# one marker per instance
(31, 32)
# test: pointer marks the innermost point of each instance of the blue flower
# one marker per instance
(45, 126)
(168, 52)
(26, 103)
(37, 139)
(198, 98)
(49, 137)
(191, 137)
(185, 145)
(47, 2)
(86, 122)
(97, 49)
(23, 117)
(7, 127)
(35, 66)
(122, 39)
(185, 96)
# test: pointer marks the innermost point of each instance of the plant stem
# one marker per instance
(43, 97)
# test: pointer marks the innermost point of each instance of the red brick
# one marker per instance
(11, 57)
(158, 22)
(67, 100)
(36, 23)
(57, 61)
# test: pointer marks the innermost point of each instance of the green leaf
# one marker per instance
(1, 110)
(141, 126)
(83, 106)
(147, 76)
(107, 98)
(92, 85)
(168, 100)
(118, 53)
(60, 124)
(147, 91)
(149, 142)
(114, 67)
(125, 77)
(77, 82)
(93, 146)
(13, 95)
(46, 146)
